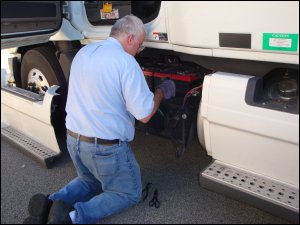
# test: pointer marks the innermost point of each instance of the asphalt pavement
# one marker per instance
(182, 199)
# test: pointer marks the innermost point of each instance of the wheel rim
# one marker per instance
(37, 82)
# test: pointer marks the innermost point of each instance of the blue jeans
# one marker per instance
(108, 181)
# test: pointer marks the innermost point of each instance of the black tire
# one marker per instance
(44, 60)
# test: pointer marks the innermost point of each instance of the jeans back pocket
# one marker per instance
(105, 160)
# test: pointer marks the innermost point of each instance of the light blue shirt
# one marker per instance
(107, 90)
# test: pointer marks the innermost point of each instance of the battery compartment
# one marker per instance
(176, 118)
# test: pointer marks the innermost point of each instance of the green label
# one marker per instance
(280, 42)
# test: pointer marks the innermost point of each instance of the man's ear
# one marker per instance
(130, 39)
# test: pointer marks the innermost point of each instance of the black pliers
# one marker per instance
(146, 191)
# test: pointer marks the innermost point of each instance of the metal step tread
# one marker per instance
(266, 189)
(24, 93)
(38, 150)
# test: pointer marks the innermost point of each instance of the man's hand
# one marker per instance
(168, 88)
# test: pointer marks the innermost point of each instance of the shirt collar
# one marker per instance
(115, 41)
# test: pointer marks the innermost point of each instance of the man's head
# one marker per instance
(130, 31)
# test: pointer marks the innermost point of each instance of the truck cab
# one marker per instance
(236, 69)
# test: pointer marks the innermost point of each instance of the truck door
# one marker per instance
(30, 22)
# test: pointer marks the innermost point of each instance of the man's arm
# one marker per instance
(158, 97)
(165, 90)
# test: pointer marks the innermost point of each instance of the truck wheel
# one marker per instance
(40, 69)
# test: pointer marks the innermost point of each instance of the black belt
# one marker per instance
(92, 139)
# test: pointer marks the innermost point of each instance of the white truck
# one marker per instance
(237, 64)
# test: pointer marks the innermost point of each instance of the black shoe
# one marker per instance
(38, 208)
(59, 213)
(33, 220)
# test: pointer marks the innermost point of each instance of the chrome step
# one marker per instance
(269, 195)
(24, 93)
(39, 151)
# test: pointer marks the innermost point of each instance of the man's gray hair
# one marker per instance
(130, 25)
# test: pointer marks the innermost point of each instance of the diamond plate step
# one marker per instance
(39, 151)
(267, 194)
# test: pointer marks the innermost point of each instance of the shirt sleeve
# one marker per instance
(138, 98)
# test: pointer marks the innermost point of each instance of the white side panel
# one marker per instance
(200, 129)
(256, 139)
(31, 118)
(198, 24)
(193, 51)
(259, 56)
(159, 24)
